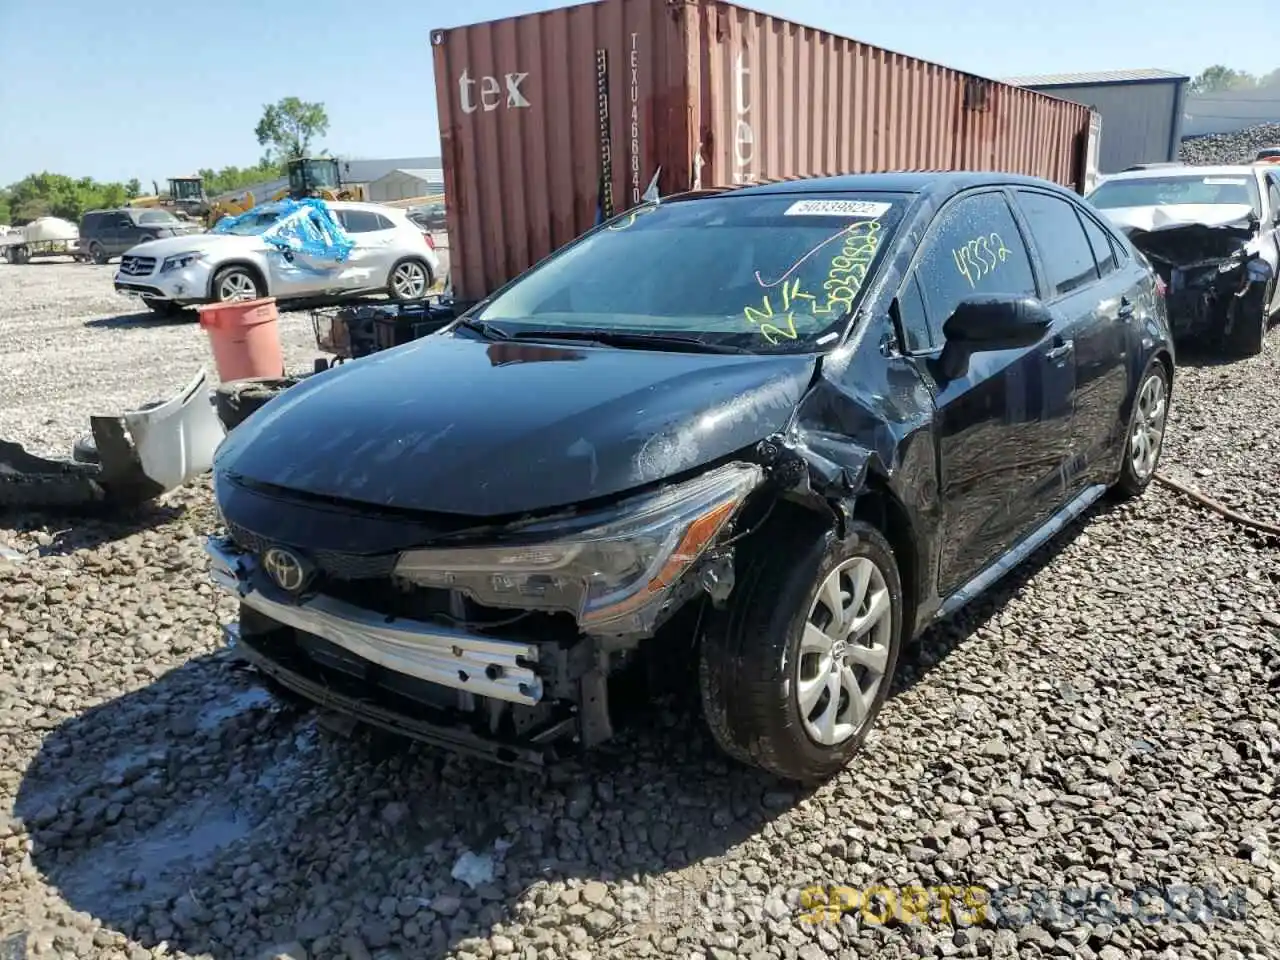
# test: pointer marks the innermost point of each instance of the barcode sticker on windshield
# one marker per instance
(838, 208)
(1226, 181)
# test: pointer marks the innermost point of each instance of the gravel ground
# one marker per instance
(1239, 147)
(1106, 720)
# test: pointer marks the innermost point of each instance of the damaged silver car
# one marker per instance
(1213, 236)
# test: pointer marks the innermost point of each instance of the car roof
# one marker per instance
(1189, 170)
(905, 181)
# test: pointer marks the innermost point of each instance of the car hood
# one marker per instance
(204, 242)
(448, 424)
(1166, 217)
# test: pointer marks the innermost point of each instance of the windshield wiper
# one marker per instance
(637, 341)
(485, 329)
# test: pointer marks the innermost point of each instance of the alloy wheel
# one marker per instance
(1148, 426)
(237, 286)
(409, 281)
(844, 652)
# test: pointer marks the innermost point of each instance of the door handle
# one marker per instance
(1126, 309)
(1060, 351)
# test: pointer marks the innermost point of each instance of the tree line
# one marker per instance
(287, 130)
(1221, 79)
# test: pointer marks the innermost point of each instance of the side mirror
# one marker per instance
(980, 324)
(997, 323)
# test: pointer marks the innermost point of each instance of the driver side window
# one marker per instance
(973, 248)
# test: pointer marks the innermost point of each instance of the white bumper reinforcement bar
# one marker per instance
(450, 658)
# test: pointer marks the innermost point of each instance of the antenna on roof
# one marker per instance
(651, 192)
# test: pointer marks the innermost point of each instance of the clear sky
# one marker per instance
(154, 89)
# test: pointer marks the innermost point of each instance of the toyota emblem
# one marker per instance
(285, 569)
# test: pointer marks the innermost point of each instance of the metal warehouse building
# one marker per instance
(1141, 111)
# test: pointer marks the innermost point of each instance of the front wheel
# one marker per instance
(1249, 328)
(1145, 439)
(235, 283)
(410, 280)
(795, 672)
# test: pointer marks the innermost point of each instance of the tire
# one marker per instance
(20, 254)
(238, 400)
(410, 279)
(1136, 472)
(235, 283)
(97, 254)
(85, 450)
(751, 668)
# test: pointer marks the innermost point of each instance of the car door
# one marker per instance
(1003, 426)
(118, 234)
(1096, 301)
(370, 261)
(298, 274)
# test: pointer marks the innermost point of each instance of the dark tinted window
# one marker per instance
(364, 221)
(974, 248)
(157, 218)
(1103, 252)
(1057, 233)
(1273, 191)
(92, 221)
(914, 317)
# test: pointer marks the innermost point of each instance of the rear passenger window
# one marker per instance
(363, 221)
(1064, 248)
(973, 249)
(1104, 254)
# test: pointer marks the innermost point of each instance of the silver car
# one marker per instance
(391, 254)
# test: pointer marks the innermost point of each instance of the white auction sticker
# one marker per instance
(1226, 181)
(838, 208)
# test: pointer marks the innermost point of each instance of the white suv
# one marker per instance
(391, 254)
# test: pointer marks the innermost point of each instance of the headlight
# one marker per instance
(605, 570)
(180, 260)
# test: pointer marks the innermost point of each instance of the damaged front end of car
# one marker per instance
(501, 641)
(498, 641)
(1215, 276)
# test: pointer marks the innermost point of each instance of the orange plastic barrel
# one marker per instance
(245, 338)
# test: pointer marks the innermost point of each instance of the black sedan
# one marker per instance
(795, 424)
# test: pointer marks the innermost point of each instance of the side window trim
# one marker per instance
(1087, 218)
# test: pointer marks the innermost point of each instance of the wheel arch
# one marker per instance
(258, 274)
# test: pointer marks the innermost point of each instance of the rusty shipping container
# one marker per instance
(551, 120)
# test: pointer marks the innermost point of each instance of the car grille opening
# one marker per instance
(137, 266)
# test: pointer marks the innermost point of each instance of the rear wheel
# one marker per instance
(1145, 439)
(795, 672)
(96, 253)
(410, 280)
(235, 283)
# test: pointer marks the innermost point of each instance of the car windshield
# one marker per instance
(765, 273)
(157, 216)
(252, 224)
(1177, 190)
